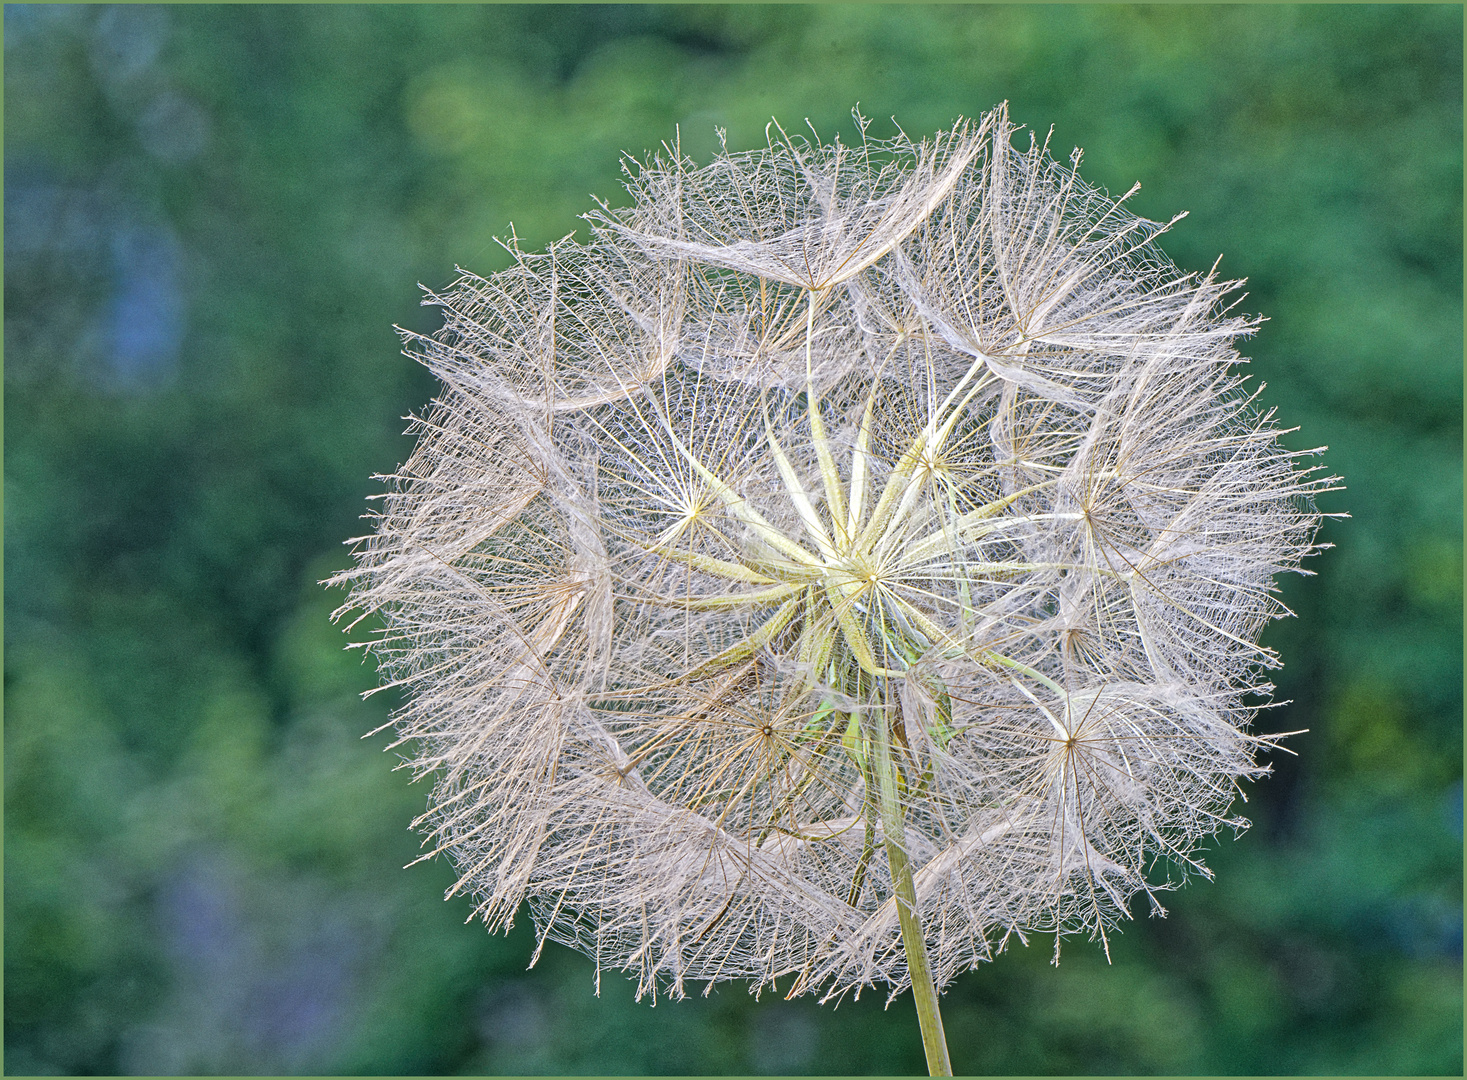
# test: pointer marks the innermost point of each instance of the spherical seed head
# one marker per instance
(808, 452)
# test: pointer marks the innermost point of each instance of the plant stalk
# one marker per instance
(924, 992)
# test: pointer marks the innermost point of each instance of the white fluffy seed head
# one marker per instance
(807, 445)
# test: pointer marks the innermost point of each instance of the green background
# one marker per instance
(213, 215)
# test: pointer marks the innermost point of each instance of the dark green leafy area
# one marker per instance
(213, 215)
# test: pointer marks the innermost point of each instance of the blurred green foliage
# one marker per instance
(212, 217)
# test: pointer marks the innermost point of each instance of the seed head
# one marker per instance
(825, 494)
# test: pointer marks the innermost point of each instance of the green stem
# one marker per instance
(924, 992)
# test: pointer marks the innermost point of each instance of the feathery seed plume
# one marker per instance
(844, 544)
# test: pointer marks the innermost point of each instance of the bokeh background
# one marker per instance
(213, 217)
